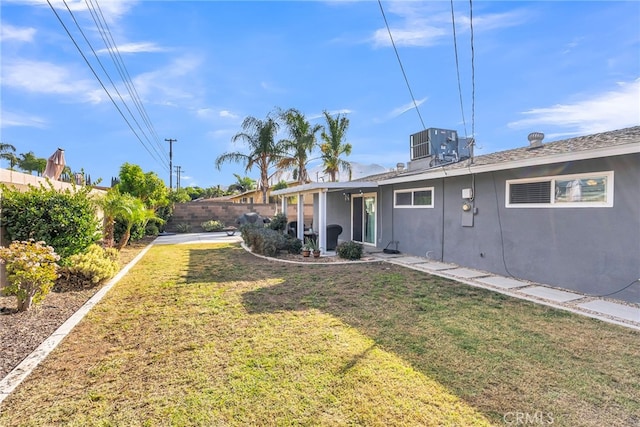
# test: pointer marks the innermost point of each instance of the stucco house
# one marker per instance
(563, 213)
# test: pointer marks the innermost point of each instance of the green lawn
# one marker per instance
(210, 335)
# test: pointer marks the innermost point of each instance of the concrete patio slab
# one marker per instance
(613, 309)
(503, 282)
(466, 273)
(435, 266)
(551, 294)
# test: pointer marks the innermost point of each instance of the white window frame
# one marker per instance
(607, 203)
(413, 191)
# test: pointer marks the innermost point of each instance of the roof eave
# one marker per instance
(318, 187)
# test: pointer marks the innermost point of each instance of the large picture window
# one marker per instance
(583, 190)
(413, 198)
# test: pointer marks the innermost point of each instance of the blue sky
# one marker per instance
(199, 68)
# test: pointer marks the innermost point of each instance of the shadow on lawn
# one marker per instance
(497, 353)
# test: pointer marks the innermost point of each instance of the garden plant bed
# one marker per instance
(21, 333)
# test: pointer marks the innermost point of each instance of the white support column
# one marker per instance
(301, 216)
(322, 220)
(284, 207)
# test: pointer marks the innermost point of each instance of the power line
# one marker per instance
(473, 75)
(415, 104)
(98, 77)
(455, 48)
(107, 37)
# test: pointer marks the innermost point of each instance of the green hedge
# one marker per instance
(64, 219)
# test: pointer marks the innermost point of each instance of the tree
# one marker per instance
(264, 151)
(28, 162)
(7, 152)
(113, 204)
(333, 147)
(300, 145)
(242, 184)
(148, 187)
(136, 213)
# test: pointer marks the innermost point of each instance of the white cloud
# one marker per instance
(404, 108)
(427, 24)
(9, 32)
(140, 47)
(615, 109)
(12, 119)
(46, 78)
(170, 83)
(228, 114)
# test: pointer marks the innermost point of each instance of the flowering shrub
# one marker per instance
(93, 266)
(212, 225)
(31, 271)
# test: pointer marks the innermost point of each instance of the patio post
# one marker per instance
(322, 219)
(301, 216)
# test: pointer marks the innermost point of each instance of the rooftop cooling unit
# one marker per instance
(442, 145)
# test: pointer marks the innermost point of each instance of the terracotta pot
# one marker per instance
(306, 253)
(316, 254)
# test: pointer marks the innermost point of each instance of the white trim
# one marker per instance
(608, 203)
(413, 191)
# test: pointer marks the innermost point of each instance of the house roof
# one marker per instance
(605, 144)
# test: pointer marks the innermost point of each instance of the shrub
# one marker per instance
(183, 227)
(65, 220)
(31, 271)
(264, 241)
(293, 244)
(349, 250)
(152, 228)
(212, 225)
(278, 222)
(93, 266)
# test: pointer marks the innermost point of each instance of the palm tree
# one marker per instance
(333, 147)
(242, 184)
(137, 213)
(7, 152)
(300, 146)
(264, 151)
(114, 205)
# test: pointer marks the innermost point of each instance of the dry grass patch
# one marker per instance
(210, 335)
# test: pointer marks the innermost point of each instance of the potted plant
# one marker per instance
(313, 246)
(306, 248)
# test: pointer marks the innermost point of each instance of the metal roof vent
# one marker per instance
(535, 140)
(400, 167)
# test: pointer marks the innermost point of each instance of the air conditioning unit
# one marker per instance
(438, 143)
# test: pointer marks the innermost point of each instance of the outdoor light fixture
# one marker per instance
(347, 196)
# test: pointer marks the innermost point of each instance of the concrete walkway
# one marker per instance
(607, 310)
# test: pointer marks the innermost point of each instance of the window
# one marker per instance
(583, 190)
(413, 198)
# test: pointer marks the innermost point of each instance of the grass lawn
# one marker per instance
(210, 335)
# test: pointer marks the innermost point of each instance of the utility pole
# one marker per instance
(170, 141)
(178, 172)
